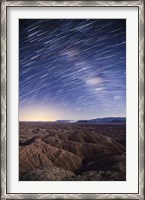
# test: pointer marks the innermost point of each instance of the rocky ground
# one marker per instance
(72, 152)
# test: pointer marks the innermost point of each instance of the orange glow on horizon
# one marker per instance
(37, 119)
(32, 118)
(36, 115)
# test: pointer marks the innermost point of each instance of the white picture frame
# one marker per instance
(7, 45)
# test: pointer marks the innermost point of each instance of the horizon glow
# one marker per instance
(72, 69)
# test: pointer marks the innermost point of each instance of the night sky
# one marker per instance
(72, 69)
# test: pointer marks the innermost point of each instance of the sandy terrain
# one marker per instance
(72, 152)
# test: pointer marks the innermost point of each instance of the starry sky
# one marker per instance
(72, 69)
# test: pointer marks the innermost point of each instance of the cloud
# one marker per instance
(99, 89)
(94, 81)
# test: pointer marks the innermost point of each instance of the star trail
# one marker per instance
(72, 69)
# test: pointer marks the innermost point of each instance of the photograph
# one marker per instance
(72, 99)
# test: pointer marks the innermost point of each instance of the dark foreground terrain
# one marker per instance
(72, 152)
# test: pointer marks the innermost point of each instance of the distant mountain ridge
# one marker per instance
(105, 120)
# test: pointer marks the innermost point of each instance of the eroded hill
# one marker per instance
(72, 152)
